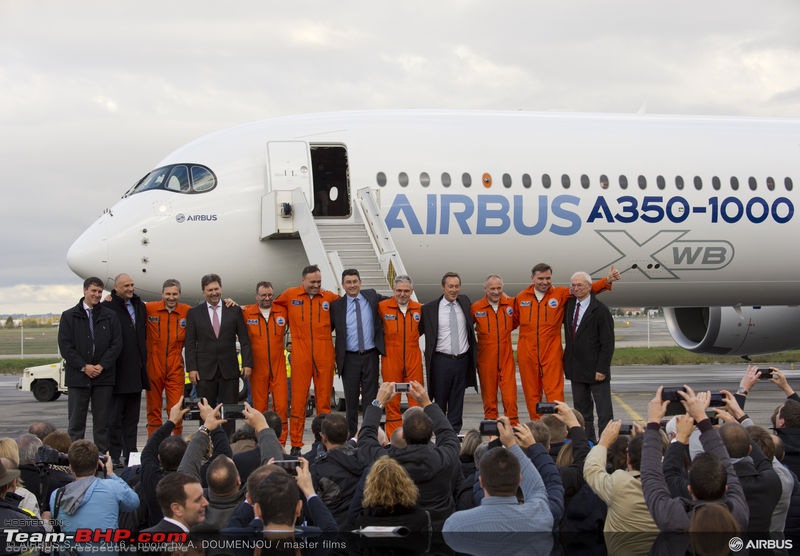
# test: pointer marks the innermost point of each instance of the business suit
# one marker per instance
(448, 376)
(587, 352)
(359, 371)
(215, 358)
(164, 526)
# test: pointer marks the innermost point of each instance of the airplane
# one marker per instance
(697, 212)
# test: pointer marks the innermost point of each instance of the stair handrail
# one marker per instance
(330, 265)
(388, 255)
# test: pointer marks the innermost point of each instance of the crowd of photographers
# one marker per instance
(699, 464)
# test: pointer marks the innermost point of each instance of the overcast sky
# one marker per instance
(94, 93)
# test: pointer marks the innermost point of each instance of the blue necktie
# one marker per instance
(91, 322)
(131, 312)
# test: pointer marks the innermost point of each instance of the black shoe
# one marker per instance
(117, 464)
(295, 451)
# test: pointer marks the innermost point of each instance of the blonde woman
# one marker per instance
(390, 498)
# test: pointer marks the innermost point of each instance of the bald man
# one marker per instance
(131, 369)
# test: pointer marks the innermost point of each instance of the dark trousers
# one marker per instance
(78, 407)
(582, 395)
(124, 424)
(449, 378)
(220, 390)
(360, 374)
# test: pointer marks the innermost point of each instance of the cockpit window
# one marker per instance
(180, 178)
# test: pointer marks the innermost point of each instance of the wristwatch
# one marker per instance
(742, 391)
(377, 403)
(203, 429)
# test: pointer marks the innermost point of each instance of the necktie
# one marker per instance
(215, 321)
(131, 312)
(358, 325)
(91, 322)
(575, 317)
(454, 346)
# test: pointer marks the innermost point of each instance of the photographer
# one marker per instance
(42, 468)
(90, 501)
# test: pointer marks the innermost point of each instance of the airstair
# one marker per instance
(362, 242)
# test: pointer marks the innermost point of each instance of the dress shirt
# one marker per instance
(366, 324)
(443, 337)
(582, 310)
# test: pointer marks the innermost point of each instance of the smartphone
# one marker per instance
(193, 413)
(290, 465)
(713, 417)
(488, 427)
(232, 411)
(765, 374)
(717, 399)
(626, 428)
(671, 394)
(546, 407)
(402, 386)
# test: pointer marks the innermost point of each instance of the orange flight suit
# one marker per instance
(313, 356)
(269, 361)
(540, 355)
(496, 356)
(166, 332)
(403, 359)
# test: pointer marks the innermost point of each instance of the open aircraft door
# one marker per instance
(288, 169)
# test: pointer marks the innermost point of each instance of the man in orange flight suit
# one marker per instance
(309, 310)
(539, 312)
(266, 326)
(400, 316)
(494, 321)
(166, 331)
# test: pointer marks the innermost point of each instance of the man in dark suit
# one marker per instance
(131, 369)
(589, 332)
(359, 341)
(449, 348)
(182, 503)
(211, 358)
(89, 340)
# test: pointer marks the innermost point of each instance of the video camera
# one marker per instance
(47, 455)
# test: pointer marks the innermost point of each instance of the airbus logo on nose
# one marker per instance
(180, 218)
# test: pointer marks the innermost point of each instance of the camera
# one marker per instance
(47, 455)
(546, 407)
(232, 411)
(765, 374)
(717, 399)
(488, 427)
(626, 428)
(713, 417)
(290, 465)
(671, 394)
(402, 386)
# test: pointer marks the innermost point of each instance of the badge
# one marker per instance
(389, 317)
(152, 318)
(280, 321)
(182, 323)
(325, 306)
(416, 317)
(252, 321)
(510, 311)
(525, 303)
(297, 301)
(553, 303)
(480, 314)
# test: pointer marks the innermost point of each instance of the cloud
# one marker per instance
(39, 299)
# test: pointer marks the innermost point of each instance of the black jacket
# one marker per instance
(429, 326)
(791, 459)
(79, 349)
(132, 360)
(592, 347)
(335, 474)
(339, 323)
(762, 488)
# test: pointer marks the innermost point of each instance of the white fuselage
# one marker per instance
(690, 246)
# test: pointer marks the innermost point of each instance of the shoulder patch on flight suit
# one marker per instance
(325, 305)
(280, 321)
(182, 323)
(553, 303)
(416, 316)
(509, 311)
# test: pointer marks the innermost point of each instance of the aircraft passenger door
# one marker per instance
(331, 176)
(289, 168)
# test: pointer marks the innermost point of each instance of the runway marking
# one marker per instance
(626, 407)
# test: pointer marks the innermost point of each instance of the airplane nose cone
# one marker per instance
(88, 255)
